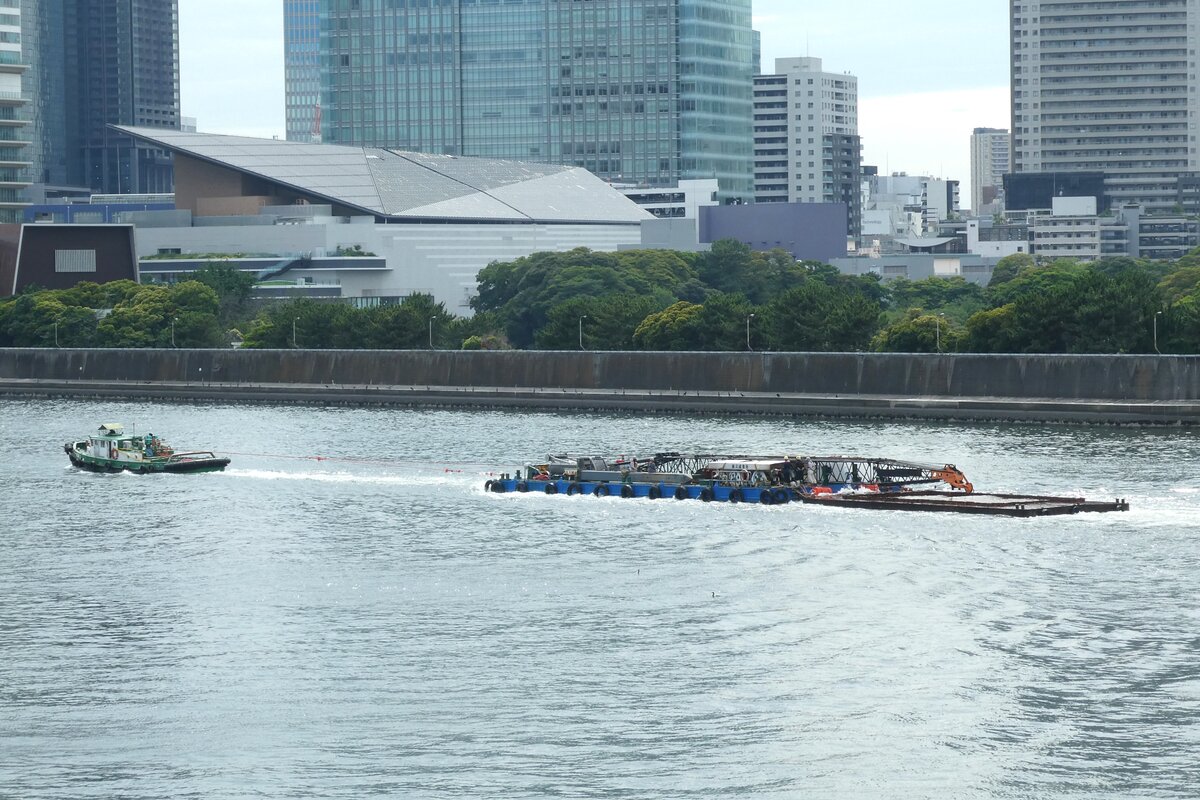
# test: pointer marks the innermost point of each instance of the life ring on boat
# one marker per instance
(655, 493)
(573, 488)
(681, 493)
(627, 491)
(551, 488)
(736, 496)
(522, 487)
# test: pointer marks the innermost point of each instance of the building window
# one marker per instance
(74, 260)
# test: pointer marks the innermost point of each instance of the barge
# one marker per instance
(110, 449)
(838, 481)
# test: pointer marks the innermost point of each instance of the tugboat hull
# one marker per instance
(181, 464)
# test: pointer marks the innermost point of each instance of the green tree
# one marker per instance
(407, 326)
(993, 331)
(610, 322)
(233, 288)
(918, 332)
(676, 327)
(956, 297)
(820, 317)
(1009, 267)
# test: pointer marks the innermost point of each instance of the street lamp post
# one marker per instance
(294, 321)
(1157, 314)
(748, 347)
(581, 319)
(939, 331)
(173, 321)
(56, 334)
(431, 319)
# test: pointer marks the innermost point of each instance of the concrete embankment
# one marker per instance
(1107, 389)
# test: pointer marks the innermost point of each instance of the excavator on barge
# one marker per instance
(845, 481)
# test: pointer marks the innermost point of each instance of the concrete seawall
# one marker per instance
(1157, 389)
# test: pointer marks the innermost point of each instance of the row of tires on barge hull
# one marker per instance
(767, 496)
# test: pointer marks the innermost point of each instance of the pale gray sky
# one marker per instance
(927, 72)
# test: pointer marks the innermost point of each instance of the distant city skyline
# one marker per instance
(921, 93)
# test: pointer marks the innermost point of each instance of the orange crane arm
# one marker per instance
(954, 478)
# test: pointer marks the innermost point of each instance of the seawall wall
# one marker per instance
(1145, 379)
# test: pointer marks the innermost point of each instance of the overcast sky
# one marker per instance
(928, 72)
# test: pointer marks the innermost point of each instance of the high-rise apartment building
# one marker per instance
(991, 160)
(637, 91)
(302, 69)
(1107, 85)
(14, 164)
(806, 143)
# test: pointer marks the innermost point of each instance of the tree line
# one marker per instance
(726, 299)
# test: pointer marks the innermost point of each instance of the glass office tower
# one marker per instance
(302, 69)
(638, 91)
(45, 87)
(122, 67)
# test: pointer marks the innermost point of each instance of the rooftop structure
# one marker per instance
(390, 185)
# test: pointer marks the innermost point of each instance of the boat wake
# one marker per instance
(414, 479)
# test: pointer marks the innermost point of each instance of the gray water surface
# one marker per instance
(373, 624)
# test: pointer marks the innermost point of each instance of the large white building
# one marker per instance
(991, 159)
(806, 143)
(1108, 86)
(426, 223)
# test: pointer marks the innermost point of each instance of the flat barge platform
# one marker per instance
(999, 505)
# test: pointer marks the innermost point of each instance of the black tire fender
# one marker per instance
(736, 496)
(601, 490)
(551, 488)
(681, 493)
(522, 487)
(573, 488)
(655, 493)
(627, 491)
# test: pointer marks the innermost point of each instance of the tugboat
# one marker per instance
(847, 481)
(110, 449)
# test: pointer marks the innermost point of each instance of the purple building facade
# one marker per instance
(809, 231)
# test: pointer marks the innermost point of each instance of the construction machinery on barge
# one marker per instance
(838, 481)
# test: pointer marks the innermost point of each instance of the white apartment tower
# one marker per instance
(806, 143)
(991, 158)
(14, 168)
(1109, 86)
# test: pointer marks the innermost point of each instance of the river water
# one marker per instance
(376, 625)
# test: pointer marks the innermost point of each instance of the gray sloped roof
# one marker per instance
(403, 185)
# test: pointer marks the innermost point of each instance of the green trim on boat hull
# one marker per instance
(93, 464)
